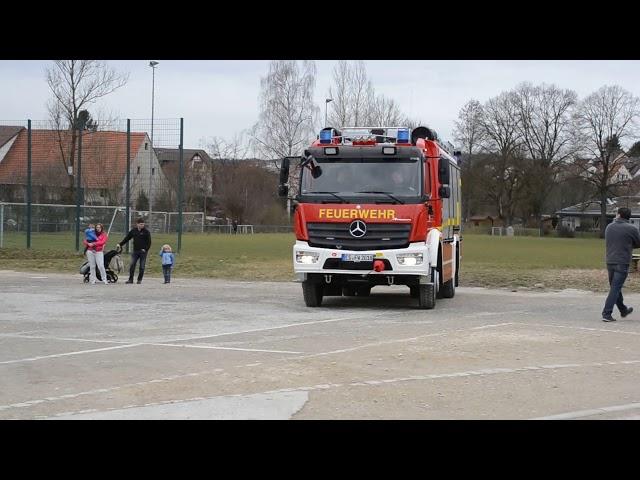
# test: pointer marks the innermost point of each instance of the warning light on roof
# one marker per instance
(403, 135)
(325, 136)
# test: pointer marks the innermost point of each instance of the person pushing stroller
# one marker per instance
(141, 245)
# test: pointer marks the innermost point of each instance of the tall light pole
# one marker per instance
(153, 65)
(326, 102)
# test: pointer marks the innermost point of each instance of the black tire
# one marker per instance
(348, 291)
(312, 293)
(427, 296)
(457, 265)
(363, 291)
(86, 279)
(414, 292)
(427, 293)
(112, 277)
(449, 289)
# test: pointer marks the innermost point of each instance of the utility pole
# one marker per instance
(153, 65)
(326, 102)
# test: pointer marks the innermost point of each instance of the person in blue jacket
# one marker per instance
(167, 262)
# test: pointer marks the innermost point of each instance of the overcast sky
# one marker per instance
(220, 97)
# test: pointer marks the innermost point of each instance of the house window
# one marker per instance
(104, 192)
(146, 146)
(153, 171)
(138, 171)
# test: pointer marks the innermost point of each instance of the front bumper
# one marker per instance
(394, 267)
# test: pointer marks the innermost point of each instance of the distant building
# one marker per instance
(586, 215)
(104, 166)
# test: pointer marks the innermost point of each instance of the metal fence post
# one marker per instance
(1, 225)
(128, 192)
(29, 186)
(180, 187)
(79, 186)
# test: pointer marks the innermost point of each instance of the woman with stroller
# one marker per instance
(95, 254)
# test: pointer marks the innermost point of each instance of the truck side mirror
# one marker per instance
(283, 188)
(443, 171)
(444, 191)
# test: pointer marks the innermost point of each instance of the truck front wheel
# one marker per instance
(427, 296)
(427, 293)
(312, 293)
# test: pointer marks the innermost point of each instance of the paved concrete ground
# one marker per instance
(235, 350)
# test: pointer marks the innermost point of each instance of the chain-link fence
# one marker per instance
(55, 178)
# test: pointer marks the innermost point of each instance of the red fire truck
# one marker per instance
(376, 206)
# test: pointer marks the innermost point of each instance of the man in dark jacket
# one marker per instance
(621, 238)
(141, 245)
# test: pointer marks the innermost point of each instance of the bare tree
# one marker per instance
(385, 112)
(544, 123)
(504, 178)
(602, 120)
(229, 150)
(340, 115)
(355, 102)
(76, 84)
(288, 116)
(469, 134)
(362, 94)
(468, 131)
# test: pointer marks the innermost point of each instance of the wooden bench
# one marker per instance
(635, 258)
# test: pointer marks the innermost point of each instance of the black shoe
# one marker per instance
(627, 312)
(129, 281)
(608, 318)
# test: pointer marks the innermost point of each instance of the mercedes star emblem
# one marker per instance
(357, 228)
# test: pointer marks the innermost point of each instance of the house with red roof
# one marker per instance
(54, 165)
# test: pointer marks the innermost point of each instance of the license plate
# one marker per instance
(356, 257)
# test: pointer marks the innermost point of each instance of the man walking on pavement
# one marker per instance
(620, 237)
(141, 245)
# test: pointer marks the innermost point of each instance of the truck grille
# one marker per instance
(379, 236)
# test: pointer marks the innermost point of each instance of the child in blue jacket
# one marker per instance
(167, 262)
(90, 235)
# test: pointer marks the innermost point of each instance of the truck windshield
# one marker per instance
(399, 177)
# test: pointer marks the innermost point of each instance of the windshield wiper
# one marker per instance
(384, 193)
(329, 193)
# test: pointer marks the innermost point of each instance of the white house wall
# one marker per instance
(140, 181)
(6, 147)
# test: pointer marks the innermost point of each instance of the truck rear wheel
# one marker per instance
(312, 293)
(449, 289)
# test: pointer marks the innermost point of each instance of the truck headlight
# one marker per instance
(409, 259)
(307, 257)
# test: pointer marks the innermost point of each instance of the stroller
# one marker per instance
(111, 257)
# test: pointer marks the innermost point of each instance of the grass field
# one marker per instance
(506, 262)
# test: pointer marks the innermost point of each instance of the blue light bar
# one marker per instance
(403, 135)
(325, 136)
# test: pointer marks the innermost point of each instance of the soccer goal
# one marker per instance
(497, 231)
